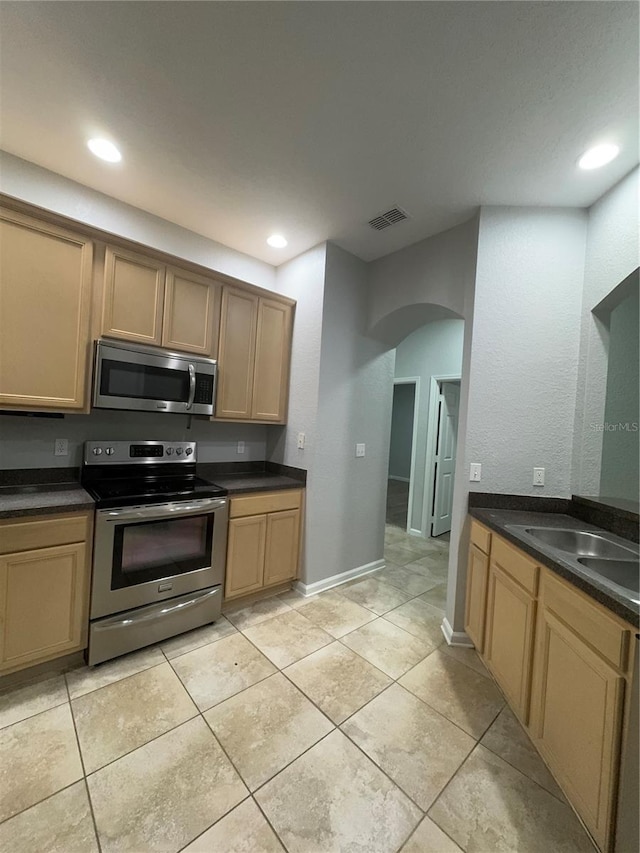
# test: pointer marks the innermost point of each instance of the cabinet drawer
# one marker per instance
(28, 535)
(480, 536)
(265, 502)
(514, 563)
(604, 633)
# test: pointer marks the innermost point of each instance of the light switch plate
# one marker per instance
(475, 472)
(359, 449)
(301, 440)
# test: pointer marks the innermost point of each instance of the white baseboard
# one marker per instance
(413, 531)
(308, 589)
(399, 479)
(455, 638)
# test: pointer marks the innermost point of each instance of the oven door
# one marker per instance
(149, 553)
(141, 379)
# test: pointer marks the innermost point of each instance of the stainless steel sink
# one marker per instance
(582, 543)
(624, 573)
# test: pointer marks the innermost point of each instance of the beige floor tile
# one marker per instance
(469, 657)
(164, 794)
(293, 598)
(507, 738)
(388, 647)
(126, 714)
(264, 728)
(336, 614)
(333, 799)
(429, 838)
(215, 672)
(437, 571)
(257, 612)
(423, 547)
(337, 680)
(60, 824)
(31, 699)
(375, 595)
(287, 638)
(461, 695)
(398, 554)
(39, 757)
(435, 560)
(244, 830)
(184, 643)
(413, 744)
(406, 581)
(88, 678)
(489, 805)
(420, 619)
(436, 596)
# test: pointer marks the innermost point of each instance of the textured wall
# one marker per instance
(611, 255)
(38, 186)
(28, 442)
(524, 358)
(434, 350)
(401, 431)
(345, 495)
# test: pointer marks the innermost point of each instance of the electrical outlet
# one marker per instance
(359, 449)
(240, 447)
(475, 472)
(301, 440)
(61, 447)
(538, 476)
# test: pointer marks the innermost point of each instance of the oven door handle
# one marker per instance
(192, 386)
(159, 610)
(162, 511)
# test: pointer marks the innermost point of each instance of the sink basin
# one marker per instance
(624, 573)
(581, 543)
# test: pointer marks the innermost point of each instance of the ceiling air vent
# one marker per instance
(389, 217)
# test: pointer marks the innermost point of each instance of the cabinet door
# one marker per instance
(509, 638)
(576, 714)
(245, 555)
(281, 557)
(45, 296)
(191, 312)
(133, 297)
(273, 352)
(43, 604)
(238, 320)
(476, 605)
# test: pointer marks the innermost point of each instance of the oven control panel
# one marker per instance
(138, 452)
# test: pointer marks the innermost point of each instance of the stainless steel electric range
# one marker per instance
(159, 545)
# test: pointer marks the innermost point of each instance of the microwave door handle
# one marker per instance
(192, 386)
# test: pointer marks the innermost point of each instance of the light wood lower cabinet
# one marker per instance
(45, 299)
(44, 591)
(263, 541)
(477, 583)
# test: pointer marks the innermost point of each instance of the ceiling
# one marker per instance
(241, 119)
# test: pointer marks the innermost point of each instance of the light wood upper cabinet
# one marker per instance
(133, 297)
(45, 297)
(238, 325)
(254, 357)
(44, 591)
(578, 700)
(191, 310)
(271, 374)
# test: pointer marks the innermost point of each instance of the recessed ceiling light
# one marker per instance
(598, 156)
(277, 241)
(105, 150)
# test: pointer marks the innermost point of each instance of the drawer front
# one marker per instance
(27, 534)
(521, 568)
(480, 537)
(604, 633)
(265, 502)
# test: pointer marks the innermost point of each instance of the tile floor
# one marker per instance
(340, 723)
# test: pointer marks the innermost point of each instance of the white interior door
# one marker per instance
(445, 457)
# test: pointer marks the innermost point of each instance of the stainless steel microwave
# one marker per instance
(146, 379)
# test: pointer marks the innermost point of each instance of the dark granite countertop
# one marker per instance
(237, 484)
(498, 519)
(43, 499)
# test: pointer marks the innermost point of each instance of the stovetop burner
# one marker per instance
(127, 473)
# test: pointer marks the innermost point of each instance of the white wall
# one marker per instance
(345, 495)
(400, 443)
(32, 184)
(433, 350)
(27, 442)
(611, 255)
